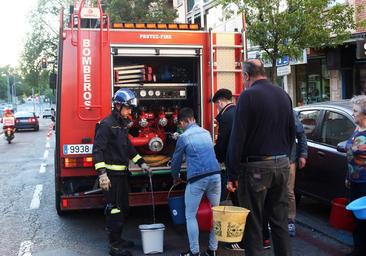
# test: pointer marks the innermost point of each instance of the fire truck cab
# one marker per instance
(167, 66)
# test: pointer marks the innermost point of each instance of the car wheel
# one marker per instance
(36, 129)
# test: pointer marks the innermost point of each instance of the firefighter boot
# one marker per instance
(117, 250)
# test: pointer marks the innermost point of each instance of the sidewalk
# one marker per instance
(318, 220)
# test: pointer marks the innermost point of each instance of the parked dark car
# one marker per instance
(26, 120)
(326, 124)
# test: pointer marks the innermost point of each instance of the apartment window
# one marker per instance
(190, 4)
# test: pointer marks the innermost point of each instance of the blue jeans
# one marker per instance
(211, 186)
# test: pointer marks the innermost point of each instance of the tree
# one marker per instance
(41, 42)
(140, 11)
(286, 27)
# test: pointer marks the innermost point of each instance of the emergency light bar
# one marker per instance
(181, 26)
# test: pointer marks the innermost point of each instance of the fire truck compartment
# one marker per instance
(163, 85)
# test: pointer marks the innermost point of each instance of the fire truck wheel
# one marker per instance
(58, 204)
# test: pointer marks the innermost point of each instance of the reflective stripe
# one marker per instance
(116, 167)
(99, 165)
(115, 211)
(136, 158)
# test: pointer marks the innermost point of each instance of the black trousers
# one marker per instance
(359, 234)
(263, 188)
(117, 206)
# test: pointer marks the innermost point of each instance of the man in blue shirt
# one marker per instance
(203, 176)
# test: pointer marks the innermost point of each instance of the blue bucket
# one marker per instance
(177, 208)
(358, 207)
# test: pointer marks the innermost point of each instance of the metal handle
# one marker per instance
(321, 154)
(174, 185)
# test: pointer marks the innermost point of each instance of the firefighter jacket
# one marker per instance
(112, 149)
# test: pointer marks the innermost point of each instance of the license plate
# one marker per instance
(23, 121)
(77, 149)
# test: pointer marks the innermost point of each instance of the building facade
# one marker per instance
(322, 75)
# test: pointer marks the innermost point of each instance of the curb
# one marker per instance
(323, 228)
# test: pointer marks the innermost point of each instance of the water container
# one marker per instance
(229, 223)
(339, 216)
(177, 208)
(204, 215)
(152, 236)
(358, 207)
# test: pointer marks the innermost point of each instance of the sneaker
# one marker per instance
(118, 251)
(233, 247)
(189, 253)
(291, 229)
(267, 244)
(210, 253)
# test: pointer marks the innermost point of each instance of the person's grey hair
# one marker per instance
(360, 100)
(254, 70)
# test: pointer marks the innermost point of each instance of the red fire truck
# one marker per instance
(168, 66)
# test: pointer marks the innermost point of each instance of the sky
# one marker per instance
(13, 29)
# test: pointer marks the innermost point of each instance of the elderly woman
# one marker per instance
(356, 177)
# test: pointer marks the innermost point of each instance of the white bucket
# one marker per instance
(152, 238)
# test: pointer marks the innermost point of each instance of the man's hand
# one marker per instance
(146, 169)
(347, 184)
(302, 162)
(232, 186)
(104, 182)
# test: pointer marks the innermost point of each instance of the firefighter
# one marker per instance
(111, 152)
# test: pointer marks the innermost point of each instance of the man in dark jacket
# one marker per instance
(257, 159)
(298, 158)
(224, 104)
(223, 100)
(112, 151)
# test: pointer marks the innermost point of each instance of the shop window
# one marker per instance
(312, 82)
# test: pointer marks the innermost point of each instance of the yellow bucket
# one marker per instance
(229, 223)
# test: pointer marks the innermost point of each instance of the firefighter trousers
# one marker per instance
(117, 206)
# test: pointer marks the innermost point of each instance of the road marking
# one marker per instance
(47, 145)
(36, 201)
(42, 169)
(25, 248)
(45, 155)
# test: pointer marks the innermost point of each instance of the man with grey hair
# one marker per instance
(260, 143)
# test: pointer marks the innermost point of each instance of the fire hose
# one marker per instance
(156, 160)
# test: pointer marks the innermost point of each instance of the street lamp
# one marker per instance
(14, 93)
(8, 87)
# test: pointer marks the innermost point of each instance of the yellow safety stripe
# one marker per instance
(136, 158)
(99, 165)
(115, 211)
(116, 167)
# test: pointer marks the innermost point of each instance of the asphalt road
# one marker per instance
(30, 225)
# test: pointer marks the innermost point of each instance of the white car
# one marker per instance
(47, 113)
